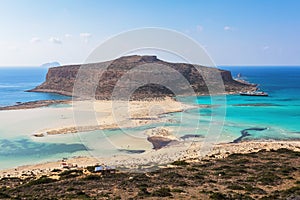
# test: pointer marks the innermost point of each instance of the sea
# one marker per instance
(15, 81)
(275, 117)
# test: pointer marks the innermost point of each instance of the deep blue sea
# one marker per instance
(278, 115)
(14, 81)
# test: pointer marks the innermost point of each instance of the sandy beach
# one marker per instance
(59, 120)
(105, 115)
(101, 114)
(189, 151)
(52, 124)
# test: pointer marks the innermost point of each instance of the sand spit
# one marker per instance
(116, 114)
(34, 104)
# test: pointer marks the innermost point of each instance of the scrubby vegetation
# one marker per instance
(263, 175)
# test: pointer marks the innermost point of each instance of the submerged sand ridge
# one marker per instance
(55, 124)
(112, 115)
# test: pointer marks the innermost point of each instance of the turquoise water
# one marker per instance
(279, 114)
(23, 150)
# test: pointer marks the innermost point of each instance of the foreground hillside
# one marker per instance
(261, 175)
(61, 79)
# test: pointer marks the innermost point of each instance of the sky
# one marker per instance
(233, 32)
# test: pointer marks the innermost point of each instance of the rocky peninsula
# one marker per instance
(61, 79)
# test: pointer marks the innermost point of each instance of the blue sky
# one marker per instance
(234, 32)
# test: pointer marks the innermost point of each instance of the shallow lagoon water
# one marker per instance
(279, 113)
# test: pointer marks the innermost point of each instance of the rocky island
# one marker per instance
(61, 79)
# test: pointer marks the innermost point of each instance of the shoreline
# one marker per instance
(192, 154)
(34, 104)
(220, 150)
(34, 121)
(45, 103)
(110, 115)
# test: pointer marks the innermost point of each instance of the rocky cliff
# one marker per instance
(61, 79)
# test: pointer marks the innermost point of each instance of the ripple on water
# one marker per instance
(257, 104)
(26, 147)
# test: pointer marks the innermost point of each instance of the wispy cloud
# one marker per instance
(35, 40)
(266, 48)
(55, 40)
(85, 36)
(199, 28)
(228, 28)
(67, 35)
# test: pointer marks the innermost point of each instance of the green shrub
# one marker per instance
(171, 175)
(284, 150)
(199, 176)
(41, 180)
(269, 178)
(294, 190)
(56, 170)
(91, 169)
(4, 196)
(223, 167)
(192, 169)
(143, 191)
(162, 192)
(180, 163)
(92, 177)
(241, 161)
(253, 190)
(177, 190)
(218, 196)
(182, 183)
(235, 155)
(10, 178)
(78, 195)
(235, 187)
(71, 173)
(71, 189)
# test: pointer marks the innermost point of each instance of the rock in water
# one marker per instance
(159, 142)
(160, 137)
(50, 64)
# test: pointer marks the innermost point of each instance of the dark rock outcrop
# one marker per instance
(159, 142)
(61, 79)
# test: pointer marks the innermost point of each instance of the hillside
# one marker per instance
(264, 175)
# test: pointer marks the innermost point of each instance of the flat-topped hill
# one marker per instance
(61, 79)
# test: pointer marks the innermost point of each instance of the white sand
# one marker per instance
(114, 114)
(105, 114)
(30, 121)
(187, 150)
(102, 114)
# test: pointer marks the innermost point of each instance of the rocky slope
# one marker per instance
(61, 79)
(264, 175)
